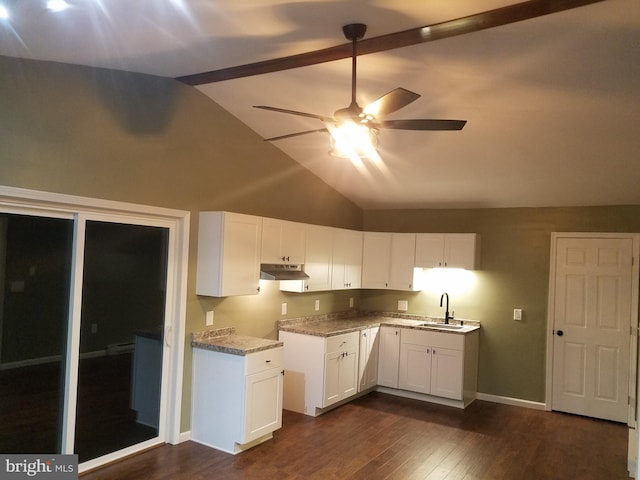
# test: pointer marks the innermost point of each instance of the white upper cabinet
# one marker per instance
(376, 260)
(388, 260)
(282, 242)
(346, 259)
(403, 246)
(450, 250)
(317, 261)
(228, 254)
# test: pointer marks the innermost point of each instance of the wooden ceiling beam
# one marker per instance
(472, 23)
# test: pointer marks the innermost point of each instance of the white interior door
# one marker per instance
(593, 298)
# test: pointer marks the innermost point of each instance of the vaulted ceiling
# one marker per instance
(552, 101)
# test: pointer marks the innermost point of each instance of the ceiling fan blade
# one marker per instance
(422, 124)
(294, 112)
(390, 102)
(289, 135)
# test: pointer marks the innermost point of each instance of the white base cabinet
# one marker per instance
(368, 358)
(319, 371)
(236, 400)
(439, 364)
(388, 356)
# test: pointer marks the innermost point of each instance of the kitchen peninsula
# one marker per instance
(331, 359)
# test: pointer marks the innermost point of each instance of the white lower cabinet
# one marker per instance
(368, 358)
(319, 371)
(388, 356)
(236, 400)
(439, 364)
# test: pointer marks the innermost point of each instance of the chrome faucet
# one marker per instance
(446, 311)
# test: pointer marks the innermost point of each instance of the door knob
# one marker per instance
(559, 333)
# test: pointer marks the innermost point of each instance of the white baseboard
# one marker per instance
(184, 436)
(517, 402)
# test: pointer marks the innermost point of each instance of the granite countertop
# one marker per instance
(225, 340)
(334, 326)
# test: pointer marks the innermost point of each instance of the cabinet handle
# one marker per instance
(282, 373)
(427, 351)
(434, 351)
(267, 361)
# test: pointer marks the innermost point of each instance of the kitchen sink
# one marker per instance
(446, 326)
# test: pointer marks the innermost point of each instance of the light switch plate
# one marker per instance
(517, 314)
(317, 305)
(208, 319)
(284, 309)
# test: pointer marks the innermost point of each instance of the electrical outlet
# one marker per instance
(208, 318)
(517, 314)
(284, 309)
(317, 305)
(403, 305)
(350, 302)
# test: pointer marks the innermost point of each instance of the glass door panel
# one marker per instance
(35, 271)
(121, 337)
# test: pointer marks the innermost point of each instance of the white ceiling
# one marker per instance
(552, 103)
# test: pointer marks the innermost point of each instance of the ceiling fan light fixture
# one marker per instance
(353, 140)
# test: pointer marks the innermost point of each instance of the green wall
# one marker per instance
(150, 140)
(154, 141)
(514, 273)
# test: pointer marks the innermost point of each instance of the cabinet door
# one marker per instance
(388, 356)
(346, 259)
(353, 260)
(332, 387)
(293, 242)
(349, 374)
(317, 255)
(228, 254)
(403, 246)
(429, 250)
(447, 373)
(376, 260)
(263, 403)
(368, 360)
(415, 368)
(460, 250)
(282, 242)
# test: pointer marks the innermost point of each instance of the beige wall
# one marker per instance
(514, 273)
(149, 140)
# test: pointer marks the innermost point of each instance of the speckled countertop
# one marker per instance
(225, 340)
(332, 325)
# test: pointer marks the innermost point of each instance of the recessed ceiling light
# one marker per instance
(57, 5)
(4, 13)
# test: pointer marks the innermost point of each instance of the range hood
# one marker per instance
(274, 271)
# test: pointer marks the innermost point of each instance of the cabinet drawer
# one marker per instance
(346, 342)
(263, 360)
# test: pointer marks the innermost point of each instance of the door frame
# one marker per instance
(24, 201)
(633, 347)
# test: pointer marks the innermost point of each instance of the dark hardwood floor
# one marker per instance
(385, 437)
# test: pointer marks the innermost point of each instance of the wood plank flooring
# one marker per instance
(381, 436)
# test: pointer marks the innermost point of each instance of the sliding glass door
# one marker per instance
(35, 272)
(121, 337)
(83, 354)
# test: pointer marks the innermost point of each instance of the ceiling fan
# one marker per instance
(368, 118)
